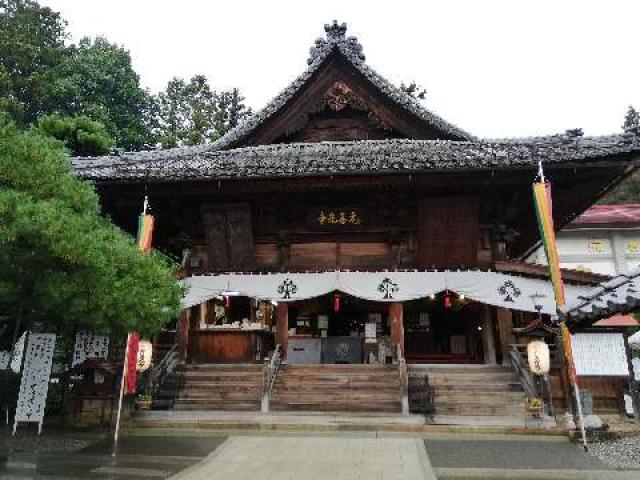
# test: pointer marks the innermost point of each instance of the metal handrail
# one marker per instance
(270, 374)
(164, 368)
(522, 372)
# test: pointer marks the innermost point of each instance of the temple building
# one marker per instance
(360, 244)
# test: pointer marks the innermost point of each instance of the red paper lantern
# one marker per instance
(336, 303)
(447, 301)
(227, 302)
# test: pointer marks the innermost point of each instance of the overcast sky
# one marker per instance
(494, 68)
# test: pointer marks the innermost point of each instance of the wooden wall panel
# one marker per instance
(318, 255)
(363, 254)
(266, 255)
(229, 233)
(447, 232)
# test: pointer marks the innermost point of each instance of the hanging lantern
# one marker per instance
(227, 302)
(538, 356)
(336, 303)
(447, 300)
(145, 352)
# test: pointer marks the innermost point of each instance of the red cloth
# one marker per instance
(132, 361)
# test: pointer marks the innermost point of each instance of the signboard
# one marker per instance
(35, 379)
(5, 357)
(17, 353)
(600, 354)
(89, 345)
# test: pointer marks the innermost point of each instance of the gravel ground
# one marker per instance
(623, 452)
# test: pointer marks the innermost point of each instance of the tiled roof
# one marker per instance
(619, 295)
(352, 157)
(609, 214)
(351, 50)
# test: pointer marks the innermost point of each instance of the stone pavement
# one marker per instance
(191, 454)
(317, 458)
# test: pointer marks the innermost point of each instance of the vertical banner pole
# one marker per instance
(579, 405)
(122, 382)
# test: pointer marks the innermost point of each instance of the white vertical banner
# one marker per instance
(5, 358)
(89, 345)
(16, 354)
(35, 379)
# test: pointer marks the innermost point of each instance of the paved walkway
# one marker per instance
(317, 458)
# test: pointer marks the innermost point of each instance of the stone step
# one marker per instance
(324, 387)
(337, 396)
(210, 396)
(392, 406)
(221, 367)
(238, 406)
(439, 368)
(469, 395)
(473, 387)
(222, 385)
(471, 410)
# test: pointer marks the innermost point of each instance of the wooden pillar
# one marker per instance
(282, 327)
(183, 332)
(633, 384)
(397, 326)
(567, 390)
(488, 340)
(504, 318)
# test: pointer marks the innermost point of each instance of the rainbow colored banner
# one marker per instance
(145, 232)
(568, 353)
(544, 213)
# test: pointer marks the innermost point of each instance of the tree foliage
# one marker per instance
(31, 44)
(193, 113)
(96, 79)
(632, 121)
(62, 263)
(414, 90)
(81, 135)
(628, 191)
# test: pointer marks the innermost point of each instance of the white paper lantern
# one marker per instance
(538, 356)
(145, 351)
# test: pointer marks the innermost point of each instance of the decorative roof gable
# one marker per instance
(351, 52)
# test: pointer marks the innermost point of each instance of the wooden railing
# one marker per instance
(270, 374)
(404, 379)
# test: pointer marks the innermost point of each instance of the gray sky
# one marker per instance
(495, 68)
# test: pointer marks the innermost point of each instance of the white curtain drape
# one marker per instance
(493, 288)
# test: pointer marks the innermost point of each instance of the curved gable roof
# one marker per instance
(349, 48)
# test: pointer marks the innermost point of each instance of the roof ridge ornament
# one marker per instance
(336, 34)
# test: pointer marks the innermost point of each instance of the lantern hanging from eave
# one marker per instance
(447, 300)
(145, 352)
(538, 357)
(336, 303)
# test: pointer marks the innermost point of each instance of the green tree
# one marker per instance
(97, 80)
(413, 89)
(193, 113)
(81, 135)
(31, 44)
(230, 111)
(62, 263)
(632, 121)
(629, 189)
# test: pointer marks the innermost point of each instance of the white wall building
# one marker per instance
(605, 239)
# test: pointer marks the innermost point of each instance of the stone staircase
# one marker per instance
(337, 388)
(227, 387)
(471, 390)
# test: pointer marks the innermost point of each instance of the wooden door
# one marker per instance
(447, 232)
